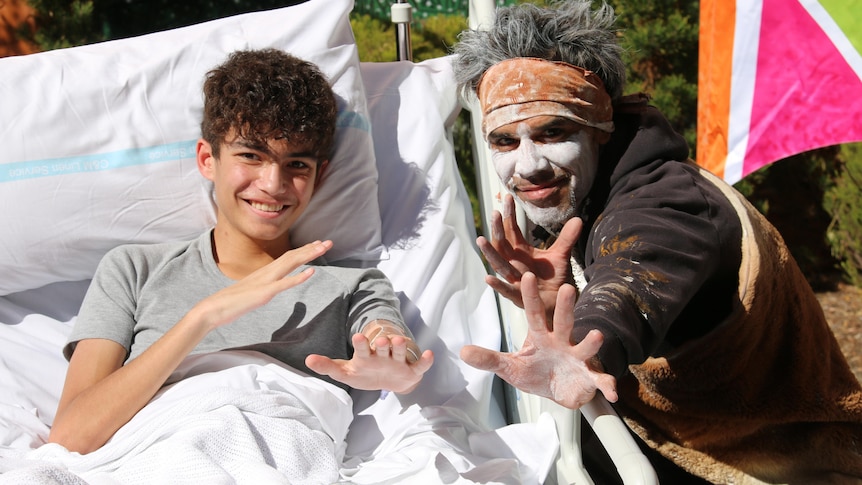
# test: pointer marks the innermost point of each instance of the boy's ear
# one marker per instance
(321, 171)
(205, 159)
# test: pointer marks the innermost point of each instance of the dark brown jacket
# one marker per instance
(725, 361)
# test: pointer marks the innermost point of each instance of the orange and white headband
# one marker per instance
(517, 89)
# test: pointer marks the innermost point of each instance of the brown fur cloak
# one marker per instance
(767, 396)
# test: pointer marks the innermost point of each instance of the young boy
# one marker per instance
(267, 133)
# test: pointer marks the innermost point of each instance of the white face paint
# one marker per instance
(548, 163)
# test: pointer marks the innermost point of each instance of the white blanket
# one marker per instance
(227, 421)
(241, 417)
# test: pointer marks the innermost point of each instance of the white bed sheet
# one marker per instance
(235, 417)
(452, 429)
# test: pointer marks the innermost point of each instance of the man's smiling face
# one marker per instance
(548, 163)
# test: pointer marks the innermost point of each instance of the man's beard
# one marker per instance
(551, 219)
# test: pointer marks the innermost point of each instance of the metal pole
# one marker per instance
(402, 15)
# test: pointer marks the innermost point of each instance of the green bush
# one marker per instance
(434, 37)
(375, 39)
(660, 38)
(430, 37)
(422, 9)
(790, 193)
(842, 200)
(62, 24)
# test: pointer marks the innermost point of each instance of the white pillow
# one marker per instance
(98, 144)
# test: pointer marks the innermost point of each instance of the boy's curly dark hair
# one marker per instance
(268, 93)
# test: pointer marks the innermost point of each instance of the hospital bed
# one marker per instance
(98, 151)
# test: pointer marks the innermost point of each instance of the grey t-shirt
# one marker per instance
(140, 291)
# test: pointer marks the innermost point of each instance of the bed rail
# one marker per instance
(402, 14)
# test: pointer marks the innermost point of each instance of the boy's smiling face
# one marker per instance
(260, 190)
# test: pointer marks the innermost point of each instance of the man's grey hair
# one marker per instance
(569, 31)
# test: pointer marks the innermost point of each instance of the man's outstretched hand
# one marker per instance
(510, 256)
(549, 364)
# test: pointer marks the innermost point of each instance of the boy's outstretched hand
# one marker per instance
(386, 361)
(549, 364)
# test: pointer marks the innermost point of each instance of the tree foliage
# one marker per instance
(842, 201)
(375, 39)
(62, 24)
(126, 18)
(660, 41)
(790, 194)
(431, 37)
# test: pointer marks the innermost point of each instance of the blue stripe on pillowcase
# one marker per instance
(11, 172)
(96, 162)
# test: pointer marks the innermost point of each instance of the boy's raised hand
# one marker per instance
(387, 361)
(261, 286)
